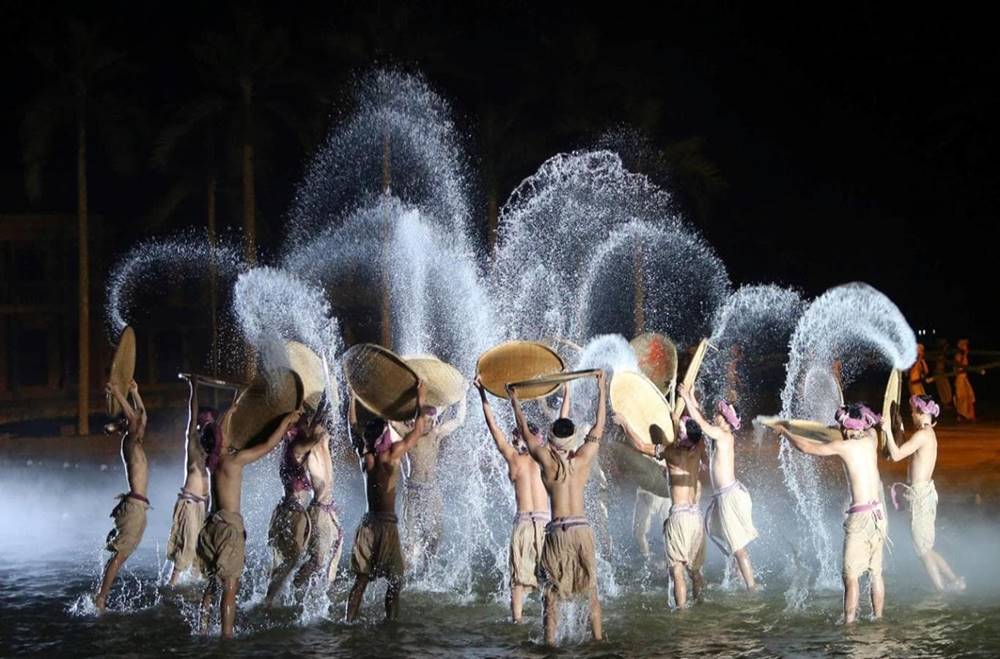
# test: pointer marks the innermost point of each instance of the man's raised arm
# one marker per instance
(694, 411)
(633, 439)
(807, 445)
(400, 448)
(254, 453)
(506, 450)
(592, 442)
(908, 448)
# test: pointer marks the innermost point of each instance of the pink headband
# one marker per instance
(868, 419)
(728, 412)
(925, 406)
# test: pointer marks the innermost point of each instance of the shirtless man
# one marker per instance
(921, 448)
(222, 541)
(377, 552)
(683, 532)
(423, 505)
(327, 538)
(192, 501)
(730, 514)
(865, 526)
(130, 513)
(568, 561)
(290, 527)
(532, 508)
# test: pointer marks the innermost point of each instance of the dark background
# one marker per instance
(854, 142)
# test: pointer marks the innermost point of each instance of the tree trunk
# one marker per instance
(213, 276)
(83, 236)
(249, 198)
(385, 310)
(638, 309)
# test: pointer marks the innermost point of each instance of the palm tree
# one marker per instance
(246, 83)
(80, 74)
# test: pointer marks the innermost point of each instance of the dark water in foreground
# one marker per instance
(38, 617)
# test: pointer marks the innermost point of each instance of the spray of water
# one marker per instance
(845, 331)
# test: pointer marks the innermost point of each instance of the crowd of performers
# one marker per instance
(961, 398)
(552, 545)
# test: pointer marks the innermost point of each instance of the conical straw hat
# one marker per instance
(637, 399)
(444, 385)
(382, 381)
(890, 405)
(517, 361)
(260, 407)
(657, 356)
(691, 374)
(122, 369)
(309, 368)
(814, 430)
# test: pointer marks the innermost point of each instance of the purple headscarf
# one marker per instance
(925, 405)
(856, 417)
(728, 412)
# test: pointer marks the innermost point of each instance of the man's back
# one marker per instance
(134, 459)
(529, 490)
(921, 467)
(381, 477)
(860, 458)
(683, 466)
(565, 479)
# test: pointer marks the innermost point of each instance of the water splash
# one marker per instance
(400, 137)
(844, 332)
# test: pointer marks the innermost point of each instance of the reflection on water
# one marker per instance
(51, 561)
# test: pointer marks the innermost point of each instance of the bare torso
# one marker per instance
(683, 467)
(319, 464)
(724, 462)
(134, 460)
(921, 467)
(196, 474)
(227, 483)
(424, 456)
(566, 495)
(860, 458)
(381, 477)
(529, 490)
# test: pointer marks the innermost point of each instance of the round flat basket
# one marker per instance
(642, 404)
(260, 407)
(657, 356)
(444, 385)
(517, 361)
(382, 381)
(814, 430)
(122, 370)
(309, 368)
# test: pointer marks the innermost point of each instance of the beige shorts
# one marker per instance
(327, 536)
(526, 542)
(222, 545)
(730, 519)
(568, 562)
(923, 500)
(377, 552)
(289, 531)
(684, 536)
(189, 517)
(130, 524)
(864, 538)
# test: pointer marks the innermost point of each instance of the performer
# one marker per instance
(290, 527)
(568, 561)
(965, 397)
(683, 532)
(922, 449)
(192, 501)
(730, 514)
(377, 552)
(130, 513)
(222, 541)
(532, 508)
(423, 505)
(865, 526)
(918, 373)
(940, 375)
(327, 538)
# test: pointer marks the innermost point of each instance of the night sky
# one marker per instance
(856, 143)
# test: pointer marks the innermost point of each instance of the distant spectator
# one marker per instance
(941, 380)
(918, 373)
(965, 397)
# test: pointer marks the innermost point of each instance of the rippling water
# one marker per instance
(50, 560)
